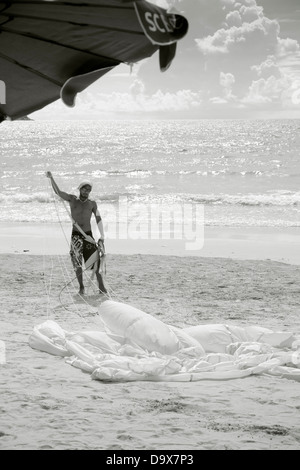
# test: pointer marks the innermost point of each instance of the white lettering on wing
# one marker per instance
(157, 22)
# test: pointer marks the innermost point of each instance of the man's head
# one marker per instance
(85, 188)
(85, 183)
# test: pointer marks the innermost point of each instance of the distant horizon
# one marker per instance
(127, 119)
(147, 118)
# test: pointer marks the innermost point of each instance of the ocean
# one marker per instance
(239, 172)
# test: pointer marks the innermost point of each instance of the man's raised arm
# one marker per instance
(62, 194)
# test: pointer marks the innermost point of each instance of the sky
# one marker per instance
(239, 60)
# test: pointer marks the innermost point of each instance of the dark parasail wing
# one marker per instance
(51, 49)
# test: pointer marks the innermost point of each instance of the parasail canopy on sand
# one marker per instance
(131, 345)
(51, 49)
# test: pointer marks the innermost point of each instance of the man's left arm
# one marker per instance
(98, 221)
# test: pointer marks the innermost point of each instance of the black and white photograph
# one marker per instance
(149, 227)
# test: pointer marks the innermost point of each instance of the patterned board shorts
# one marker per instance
(81, 250)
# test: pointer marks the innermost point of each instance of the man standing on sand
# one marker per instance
(83, 245)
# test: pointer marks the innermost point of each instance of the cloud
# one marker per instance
(233, 19)
(227, 81)
(179, 101)
(137, 88)
(287, 46)
(267, 68)
(266, 91)
(103, 106)
(247, 46)
(260, 34)
(251, 13)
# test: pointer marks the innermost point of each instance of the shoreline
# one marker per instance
(242, 243)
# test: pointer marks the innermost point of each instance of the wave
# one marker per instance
(41, 197)
(46, 198)
(274, 199)
(139, 173)
(278, 198)
(203, 173)
(144, 173)
(127, 173)
(225, 172)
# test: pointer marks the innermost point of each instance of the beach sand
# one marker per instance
(47, 404)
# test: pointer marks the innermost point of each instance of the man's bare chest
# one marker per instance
(83, 208)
